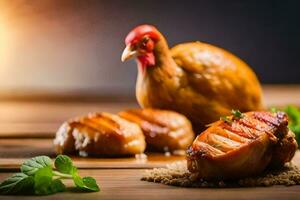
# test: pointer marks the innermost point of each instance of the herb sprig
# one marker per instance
(294, 119)
(237, 114)
(38, 177)
(226, 119)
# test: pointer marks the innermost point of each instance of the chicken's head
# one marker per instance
(140, 42)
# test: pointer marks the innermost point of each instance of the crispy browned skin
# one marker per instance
(100, 134)
(241, 148)
(164, 130)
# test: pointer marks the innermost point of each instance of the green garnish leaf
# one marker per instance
(88, 184)
(44, 184)
(64, 164)
(226, 119)
(294, 120)
(18, 183)
(237, 114)
(274, 110)
(39, 178)
(30, 167)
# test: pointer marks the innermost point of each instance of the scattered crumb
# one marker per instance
(167, 154)
(141, 156)
(177, 174)
(83, 153)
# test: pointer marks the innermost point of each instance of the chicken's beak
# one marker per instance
(128, 53)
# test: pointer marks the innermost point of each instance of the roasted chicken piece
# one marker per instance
(100, 134)
(241, 146)
(163, 130)
(199, 80)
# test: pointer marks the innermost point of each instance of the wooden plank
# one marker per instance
(13, 152)
(54, 112)
(124, 184)
(42, 118)
(281, 95)
(28, 130)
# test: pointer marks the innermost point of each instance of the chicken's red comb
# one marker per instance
(139, 32)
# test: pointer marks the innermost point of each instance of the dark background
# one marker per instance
(75, 45)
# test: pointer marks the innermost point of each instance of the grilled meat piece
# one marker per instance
(100, 134)
(164, 130)
(242, 146)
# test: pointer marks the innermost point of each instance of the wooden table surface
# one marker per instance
(27, 129)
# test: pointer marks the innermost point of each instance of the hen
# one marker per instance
(241, 146)
(199, 80)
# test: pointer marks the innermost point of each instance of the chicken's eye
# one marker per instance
(147, 44)
(144, 42)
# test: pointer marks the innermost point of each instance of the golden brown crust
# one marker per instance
(242, 147)
(100, 134)
(284, 150)
(164, 130)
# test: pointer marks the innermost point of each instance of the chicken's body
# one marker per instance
(199, 80)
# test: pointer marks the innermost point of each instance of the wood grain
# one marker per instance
(41, 119)
(27, 128)
(13, 152)
(124, 184)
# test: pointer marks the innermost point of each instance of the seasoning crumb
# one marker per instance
(177, 174)
(167, 154)
(141, 156)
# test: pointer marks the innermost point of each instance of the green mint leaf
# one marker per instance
(48, 186)
(64, 164)
(30, 167)
(226, 119)
(42, 180)
(78, 181)
(18, 183)
(237, 114)
(44, 183)
(293, 113)
(274, 110)
(90, 184)
(57, 186)
(86, 183)
(294, 120)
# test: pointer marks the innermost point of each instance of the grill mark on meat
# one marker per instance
(146, 123)
(236, 128)
(145, 117)
(98, 122)
(110, 122)
(205, 149)
(257, 140)
(230, 135)
(254, 124)
(150, 125)
(222, 143)
(268, 118)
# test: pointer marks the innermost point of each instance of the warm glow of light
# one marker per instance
(4, 44)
